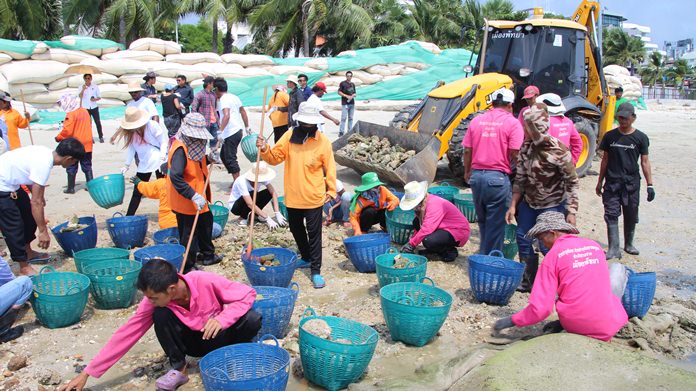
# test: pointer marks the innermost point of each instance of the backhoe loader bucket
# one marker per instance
(421, 167)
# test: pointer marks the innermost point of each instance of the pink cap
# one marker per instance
(530, 91)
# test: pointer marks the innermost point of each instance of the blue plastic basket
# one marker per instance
(172, 253)
(91, 255)
(334, 365)
(72, 242)
(414, 312)
(400, 225)
(127, 231)
(251, 366)
(167, 235)
(397, 194)
(270, 275)
(363, 249)
(639, 293)
(388, 274)
(493, 278)
(275, 304)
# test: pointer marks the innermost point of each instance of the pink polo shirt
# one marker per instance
(442, 214)
(491, 136)
(576, 270)
(212, 296)
(563, 129)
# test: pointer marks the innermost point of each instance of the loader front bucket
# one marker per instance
(421, 167)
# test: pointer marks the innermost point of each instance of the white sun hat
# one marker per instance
(554, 103)
(266, 174)
(309, 114)
(414, 192)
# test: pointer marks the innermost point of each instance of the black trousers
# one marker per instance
(94, 113)
(202, 239)
(619, 197)
(308, 238)
(371, 216)
(86, 164)
(136, 197)
(17, 223)
(440, 242)
(278, 132)
(228, 152)
(178, 340)
(241, 209)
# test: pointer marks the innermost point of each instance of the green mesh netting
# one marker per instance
(85, 43)
(22, 47)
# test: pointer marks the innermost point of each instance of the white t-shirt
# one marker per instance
(25, 166)
(91, 91)
(235, 124)
(151, 149)
(339, 186)
(144, 104)
(242, 187)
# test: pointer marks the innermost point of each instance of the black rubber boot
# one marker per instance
(614, 251)
(71, 185)
(7, 332)
(629, 232)
(211, 259)
(88, 177)
(531, 264)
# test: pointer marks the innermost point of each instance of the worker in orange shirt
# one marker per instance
(279, 111)
(157, 190)
(13, 120)
(77, 124)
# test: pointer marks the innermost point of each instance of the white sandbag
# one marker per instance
(32, 71)
(163, 81)
(395, 69)
(59, 84)
(616, 70)
(156, 45)
(193, 58)
(247, 60)
(28, 88)
(253, 71)
(321, 64)
(62, 55)
(118, 67)
(47, 98)
(40, 47)
(97, 51)
(429, 46)
(367, 78)
(636, 81)
(418, 65)
(114, 91)
(131, 77)
(76, 81)
(111, 103)
(220, 70)
(5, 58)
(387, 78)
(170, 69)
(290, 70)
(144, 55)
(4, 86)
(333, 81)
(408, 71)
(196, 83)
(347, 53)
(381, 70)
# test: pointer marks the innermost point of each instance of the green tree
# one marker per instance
(31, 19)
(231, 11)
(196, 38)
(622, 49)
(679, 71)
(84, 15)
(438, 21)
(391, 23)
(655, 69)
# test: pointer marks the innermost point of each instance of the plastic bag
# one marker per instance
(618, 277)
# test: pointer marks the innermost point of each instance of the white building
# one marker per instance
(642, 32)
(241, 33)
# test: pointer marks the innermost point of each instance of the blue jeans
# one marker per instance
(492, 196)
(213, 129)
(526, 218)
(346, 115)
(15, 292)
(342, 213)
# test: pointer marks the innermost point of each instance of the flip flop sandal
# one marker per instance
(171, 380)
(45, 259)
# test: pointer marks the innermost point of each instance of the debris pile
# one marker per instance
(73, 225)
(375, 151)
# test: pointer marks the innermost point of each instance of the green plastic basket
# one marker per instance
(86, 257)
(444, 190)
(414, 312)
(249, 147)
(465, 203)
(334, 365)
(220, 213)
(400, 225)
(510, 241)
(387, 274)
(59, 298)
(113, 282)
(107, 190)
(283, 208)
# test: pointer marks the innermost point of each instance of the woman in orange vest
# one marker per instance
(77, 124)
(369, 204)
(188, 170)
(13, 120)
(279, 111)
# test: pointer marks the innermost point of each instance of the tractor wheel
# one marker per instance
(455, 153)
(589, 144)
(400, 120)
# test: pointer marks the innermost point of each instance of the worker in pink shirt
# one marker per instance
(562, 127)
(530, 96)
(574, 277)
(490, 144)
(193, 315)
(439, 225)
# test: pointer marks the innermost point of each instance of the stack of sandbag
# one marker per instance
(155, 45)
(618, 76)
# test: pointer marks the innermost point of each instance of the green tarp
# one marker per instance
(22, 47)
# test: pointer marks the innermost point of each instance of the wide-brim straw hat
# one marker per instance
(414, 193)
(551, 221)
(266, 174)
(194, 125)
(134, 118)
(134, 86)
(309, 114)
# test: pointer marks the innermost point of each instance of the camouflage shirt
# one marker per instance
(545, 171)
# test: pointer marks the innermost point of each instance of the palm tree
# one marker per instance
(439, 21)
(31, 19)
(679, 71)
(622, 49)
(653, 72)
(392, 24)
(84, 15)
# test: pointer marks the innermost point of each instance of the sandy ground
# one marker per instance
(665, 237)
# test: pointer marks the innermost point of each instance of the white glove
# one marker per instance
(281, 219)
(124, 169)
(214, 157)
(271, 223)
(199, 200)
(248, 130)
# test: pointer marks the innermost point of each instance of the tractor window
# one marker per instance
(509, 50)
(555, 62)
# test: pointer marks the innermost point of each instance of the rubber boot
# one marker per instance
(614, 252)
(629, 232)
(531, 265)
(88, 177)
(71, 184)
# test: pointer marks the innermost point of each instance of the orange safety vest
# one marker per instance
(195, 175)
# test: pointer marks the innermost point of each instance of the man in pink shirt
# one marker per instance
(193, 315)
(439, 225)
(490, 144)
(562, 127)
(530, 96)
(574, 277)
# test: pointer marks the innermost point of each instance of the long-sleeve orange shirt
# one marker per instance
(387, 201)
(279, 99)
(14, 121)
(310, 170)
(157, 189)
(78, 124)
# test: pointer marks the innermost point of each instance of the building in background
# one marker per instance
(241, 33)
(678, 49)
(610, 20)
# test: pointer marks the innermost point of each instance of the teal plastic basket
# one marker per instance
(387, 274)
(107, 190)
(59, 298)
(444, 190)
(113, 282)
(220, 213)
(86, 257)
(414, 312)
(334, 365)
(510, 241)
(400, 225)
(283, 208)
(465, 204)
(249, 147)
